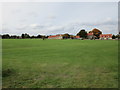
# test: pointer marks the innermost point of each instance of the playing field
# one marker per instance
(35, 63)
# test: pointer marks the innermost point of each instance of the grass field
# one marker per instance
(35, 63)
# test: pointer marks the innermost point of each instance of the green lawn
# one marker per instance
(35, 63)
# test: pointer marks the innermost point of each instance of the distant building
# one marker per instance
(55, 37)
(77, 37)
(90, 35)
(105, 36)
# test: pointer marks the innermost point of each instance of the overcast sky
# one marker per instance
(48, 18)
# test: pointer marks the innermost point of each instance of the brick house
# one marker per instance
(90, 36)
(105, 36)
(55, 37)
(77, 37)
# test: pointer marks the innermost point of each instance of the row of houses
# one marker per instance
(106, 36)
(102, 36)
(89, 36)
(56, 37)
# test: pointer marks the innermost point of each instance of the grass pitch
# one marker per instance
(36, 63)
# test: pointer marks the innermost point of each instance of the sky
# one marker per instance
(50, 18)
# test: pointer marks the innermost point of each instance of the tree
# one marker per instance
(5, 36)
(118, 36)
(65, 36)
(96, 32)
(46, 36)
(33, 37)
(72, 36)
(22, 36)
(113, 36)
(25, 35)
(90, 31)
(82, 33)
(14, 37)
(39, 36)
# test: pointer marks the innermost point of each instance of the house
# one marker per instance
(90, 35)
(77, 37)
(105, 36)
(55, 37)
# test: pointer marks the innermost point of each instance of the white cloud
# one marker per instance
(60, 1)
(39, 26)
(51, 17)
(53, 28)
(106, 26)
(34, 25)
(107, 21)
(22, 26)
(73, 28)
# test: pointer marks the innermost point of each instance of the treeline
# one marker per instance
(65, 36)
(116, 36)
(82, 33)
(96, 32)
(23, 36)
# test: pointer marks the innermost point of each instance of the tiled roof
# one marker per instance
(54, 36)
(106, 35)
(89, 34)
(77, 36)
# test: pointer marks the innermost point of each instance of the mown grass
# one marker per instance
(36, 63)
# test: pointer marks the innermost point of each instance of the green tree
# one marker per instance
(118, 36)
(25, 35)
(6, 36)
(39, 36)
(65, 36)
(82, 33)
(113, 36)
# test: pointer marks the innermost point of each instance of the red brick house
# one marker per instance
(90, 35)
(55, 37)
(106, 36)
(77, 37)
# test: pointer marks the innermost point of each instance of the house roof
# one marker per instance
(105, 35)
(54, 36)
(77, 36)
(89, 34)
